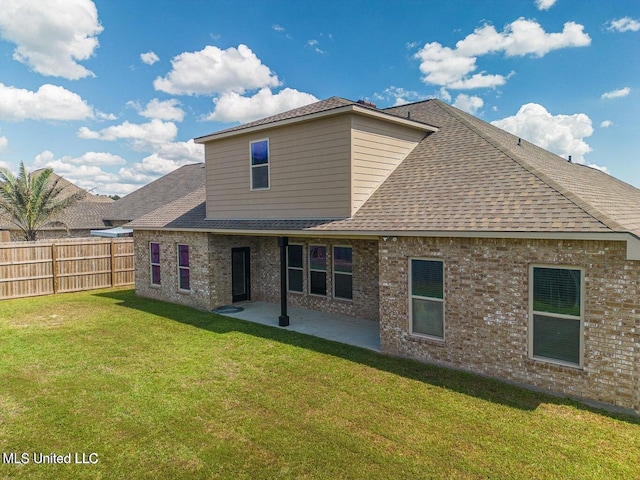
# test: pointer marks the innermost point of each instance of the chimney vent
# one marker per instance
(367, 103)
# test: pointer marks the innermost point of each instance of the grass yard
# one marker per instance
(162, 391)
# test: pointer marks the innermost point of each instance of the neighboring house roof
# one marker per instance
(84, 214)
(469, 176)
(69, 189)
(158, 193)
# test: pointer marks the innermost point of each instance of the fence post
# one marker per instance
(113, 265)
(54, 267)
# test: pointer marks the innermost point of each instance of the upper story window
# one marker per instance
(427, 297)
(556, 323)
(154, 260)
(260, 165)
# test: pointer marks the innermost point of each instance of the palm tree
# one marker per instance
(30, 201)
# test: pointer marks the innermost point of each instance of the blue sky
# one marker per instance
(110, 93)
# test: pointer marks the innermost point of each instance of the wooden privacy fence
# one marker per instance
(69, 265)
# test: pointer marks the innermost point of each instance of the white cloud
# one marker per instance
(561, 134)
(87, 134)
(153, 167)
(467, 103)
(105, 116)
(52, 36)
(545, 4)
(181, 152)
(3, 143)
(278, 28)
(85, 171)
(156, 137)
(479, 80)
(399, 96)
(528, 37)
(606, 124)
(213, 70)
(88, 159)
(313, 44)
(622, 92)
(232, 107)
(149, 58)
(624, 24)
(163, 110)
(88, 170)
(453, 68)
(143, 136)
(50, 102)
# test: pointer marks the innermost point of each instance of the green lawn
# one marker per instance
(163, 391)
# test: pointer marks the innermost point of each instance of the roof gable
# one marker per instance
(330, 106)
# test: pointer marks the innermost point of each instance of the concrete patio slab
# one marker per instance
(340, 328)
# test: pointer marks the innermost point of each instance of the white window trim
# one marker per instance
(268, 165)
(301, 269)
(325, 271)
(182, 267)
(557, 315)
(432, 299)
(151, 264)
(333, 272)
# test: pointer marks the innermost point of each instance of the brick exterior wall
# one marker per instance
(210, 258)
(365, 302)
(487, 312)
(199, 261)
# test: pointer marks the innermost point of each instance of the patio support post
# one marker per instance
(283, 242)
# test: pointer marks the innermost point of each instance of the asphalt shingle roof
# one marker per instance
(469, 176)
(158, 193)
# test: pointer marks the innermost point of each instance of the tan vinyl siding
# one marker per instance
(309, 173)
(377, 149)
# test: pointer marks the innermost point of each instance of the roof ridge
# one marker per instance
(573, 197)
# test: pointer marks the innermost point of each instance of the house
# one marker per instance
(156, 194)
(472, 248)
(77, 220)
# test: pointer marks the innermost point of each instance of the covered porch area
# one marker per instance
(339, 328)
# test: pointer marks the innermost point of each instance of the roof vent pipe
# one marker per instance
(409, 115)
(569, 158)
(519, 142)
